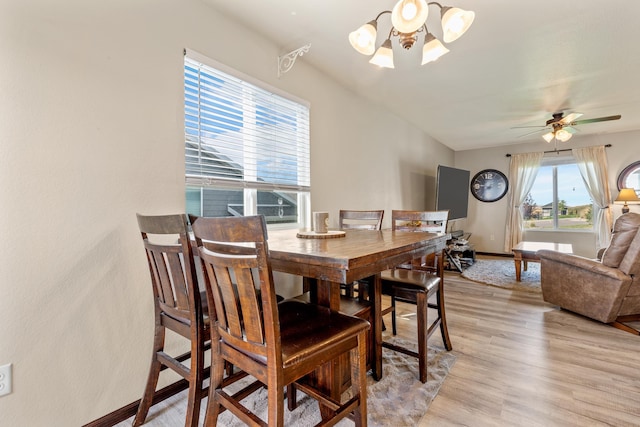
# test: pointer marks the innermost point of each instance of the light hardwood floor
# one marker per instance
(523, 362)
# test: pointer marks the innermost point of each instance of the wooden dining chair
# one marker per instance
(417, 282)
(359, 220)
(179, 307)
(277, 344)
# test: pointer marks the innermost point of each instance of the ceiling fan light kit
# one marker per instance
(408, 18)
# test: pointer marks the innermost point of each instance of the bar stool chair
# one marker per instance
(359, 220)
(417, 282)
(180, 307)
(278, 344)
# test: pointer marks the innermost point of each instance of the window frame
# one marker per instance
(554, 162)
(249, 183)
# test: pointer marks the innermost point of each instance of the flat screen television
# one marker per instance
(452, 191)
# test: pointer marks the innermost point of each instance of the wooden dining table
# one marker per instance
(357, 255)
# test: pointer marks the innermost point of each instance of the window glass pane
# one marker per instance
(214, 202)
(278, 207)
(574, 204)
(537, 209)
(194, 201)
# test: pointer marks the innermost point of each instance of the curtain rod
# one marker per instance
(557, 151)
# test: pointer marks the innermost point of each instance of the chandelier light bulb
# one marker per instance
(364, 38)
(409, 15)
(384, 56)
(455, 22)
(409, 11)
(548, 136)
(563, 136)
(433, 49)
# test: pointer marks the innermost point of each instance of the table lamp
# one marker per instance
(627, 195)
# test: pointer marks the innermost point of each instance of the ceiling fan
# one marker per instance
(561, 127)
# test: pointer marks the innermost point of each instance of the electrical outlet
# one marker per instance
(5, 379)
(492, 237)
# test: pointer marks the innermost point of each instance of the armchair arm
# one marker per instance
(589, 266)
(582, 285)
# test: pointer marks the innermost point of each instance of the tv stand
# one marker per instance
(456, 234)
(460, 254)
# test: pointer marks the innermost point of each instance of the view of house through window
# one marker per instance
(558, 200)
(246, 146)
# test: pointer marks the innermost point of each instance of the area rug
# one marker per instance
(399, 399)
(502, 273)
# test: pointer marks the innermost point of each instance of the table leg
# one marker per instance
(329, 376)
(376, 305)
(518, 263)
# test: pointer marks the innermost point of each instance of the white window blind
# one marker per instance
(239, 135)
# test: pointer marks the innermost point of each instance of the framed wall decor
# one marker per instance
(489, 185)
(630, 177)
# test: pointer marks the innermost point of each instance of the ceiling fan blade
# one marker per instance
(599, 119)
(570, 129)
(570, 118)
(535, 131)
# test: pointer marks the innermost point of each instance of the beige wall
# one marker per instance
(91, 133)
(487, 220)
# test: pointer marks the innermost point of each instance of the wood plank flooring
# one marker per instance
(523, 362)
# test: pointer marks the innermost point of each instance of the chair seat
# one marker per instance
(306, 329)
(309, 329)
(349, 306)
(415, 280)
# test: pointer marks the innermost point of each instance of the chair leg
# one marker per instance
(421, 309)
(359, 379)
(195, 384)
(275, 396)
(217, 374)
(292, 397)
(152, 379)
(394, 329)
(443, 318)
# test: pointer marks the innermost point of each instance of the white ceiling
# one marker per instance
(518, 63)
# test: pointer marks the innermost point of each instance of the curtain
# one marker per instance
(522, 174)
(592, 162)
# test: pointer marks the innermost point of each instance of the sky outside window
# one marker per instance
(571, 187)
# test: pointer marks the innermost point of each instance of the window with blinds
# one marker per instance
(246, 146)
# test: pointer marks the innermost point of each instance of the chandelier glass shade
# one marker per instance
(409, 17)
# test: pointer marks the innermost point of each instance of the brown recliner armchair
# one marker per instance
(607, 290)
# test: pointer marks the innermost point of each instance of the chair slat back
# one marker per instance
(360, 220)
(171, 265)
(429, 221)
(238, 280)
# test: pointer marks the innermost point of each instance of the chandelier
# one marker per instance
(408, 18)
